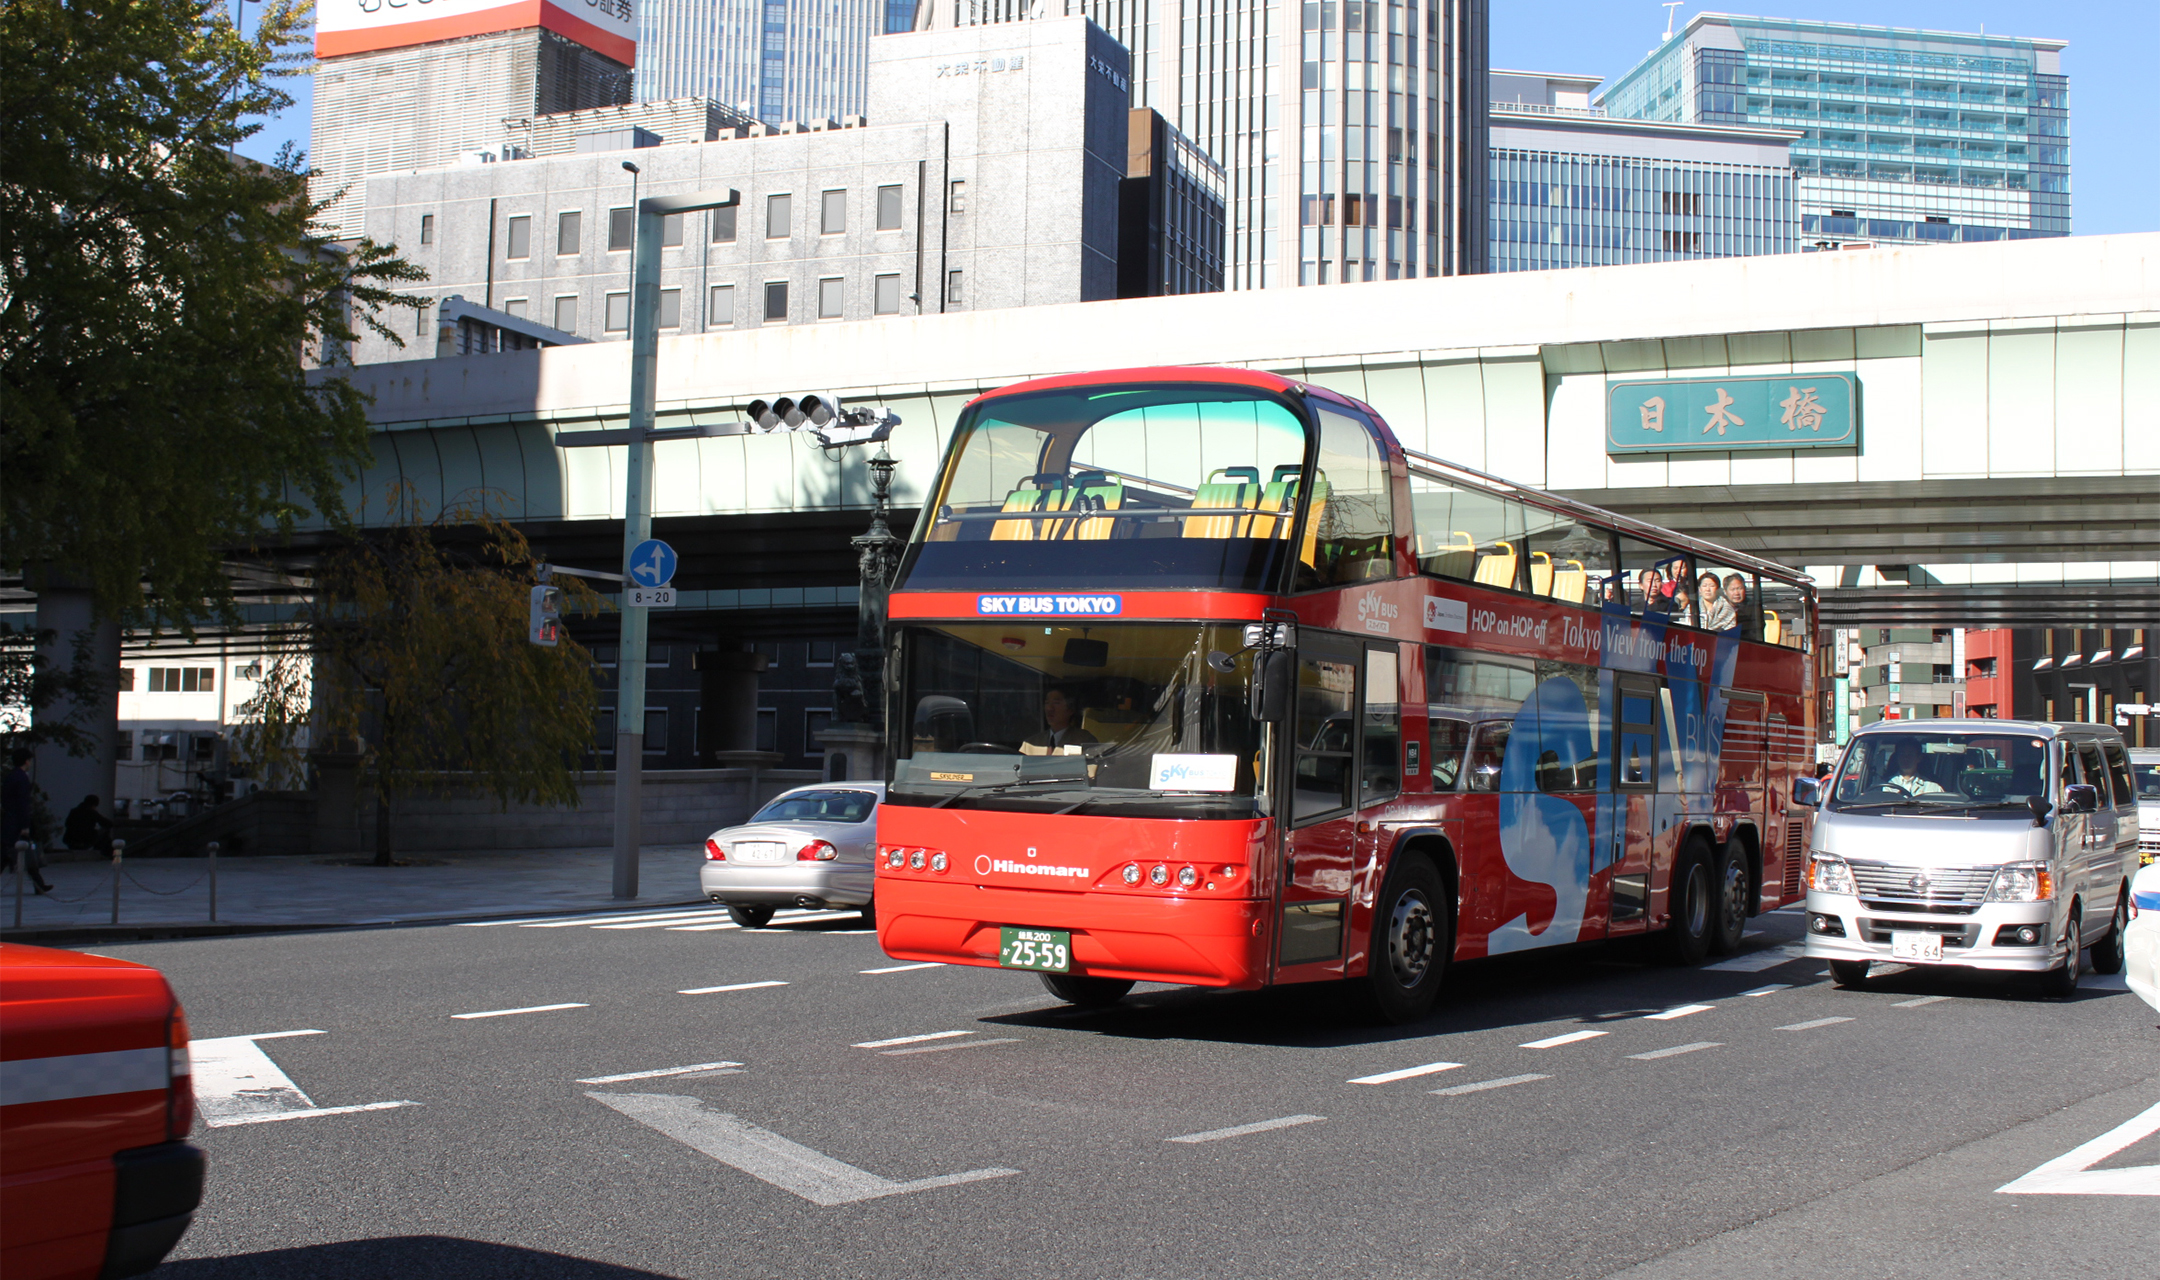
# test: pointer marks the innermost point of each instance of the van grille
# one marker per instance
(1795, 856)
(1962, 885)
(1953, 933)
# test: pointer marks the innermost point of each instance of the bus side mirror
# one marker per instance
(1807, 792)
(1274, 681)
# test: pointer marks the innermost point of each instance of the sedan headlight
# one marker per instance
(1828, 873)
(2022, 882)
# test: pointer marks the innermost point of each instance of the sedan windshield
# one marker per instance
(1941, 770)
(1136, 719)
(819, 806)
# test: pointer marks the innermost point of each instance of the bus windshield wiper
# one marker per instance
(990, 789)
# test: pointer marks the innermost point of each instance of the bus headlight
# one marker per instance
(2022, 882)
(1132, 873)
(1828, 873)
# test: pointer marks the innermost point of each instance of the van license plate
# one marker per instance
(1916, 946)
(1044, 950)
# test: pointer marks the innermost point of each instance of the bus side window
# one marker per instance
(1450, 738)
(1383, 727)
(1783, 609)
(1635, 738)
(1350, 524)
(1467, 534)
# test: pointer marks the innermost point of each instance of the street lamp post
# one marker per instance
(877, 552)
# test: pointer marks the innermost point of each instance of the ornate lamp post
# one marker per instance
(877, 552)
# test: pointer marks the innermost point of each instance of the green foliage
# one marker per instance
(422, 663)
(160, 301)
(26, 681)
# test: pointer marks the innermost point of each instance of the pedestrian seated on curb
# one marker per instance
(86, 828)
(17, 799)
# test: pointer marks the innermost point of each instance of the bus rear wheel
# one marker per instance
(1088, 993)
(1413, 938)
(1687, 938)
(1729, 910)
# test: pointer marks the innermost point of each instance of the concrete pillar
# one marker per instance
(66, 779)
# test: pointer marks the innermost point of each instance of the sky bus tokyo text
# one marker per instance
(1354, 713)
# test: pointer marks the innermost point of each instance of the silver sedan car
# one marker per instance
(809, 847)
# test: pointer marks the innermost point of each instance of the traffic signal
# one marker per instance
(544, 621)
(822, 414)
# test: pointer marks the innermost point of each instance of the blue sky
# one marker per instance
(2114, 124)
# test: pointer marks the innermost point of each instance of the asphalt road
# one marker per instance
(958, 1123)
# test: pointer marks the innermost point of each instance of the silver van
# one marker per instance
(1987, 844)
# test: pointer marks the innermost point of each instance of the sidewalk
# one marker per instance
(168, 895)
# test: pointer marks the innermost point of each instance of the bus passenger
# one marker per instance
(1652, 585)
(1059, 714)
(1683, 604)
(1718, 613)
(1736, 592)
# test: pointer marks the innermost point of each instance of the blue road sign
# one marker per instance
(652, 564)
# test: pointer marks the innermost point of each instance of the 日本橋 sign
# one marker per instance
(1743, 412)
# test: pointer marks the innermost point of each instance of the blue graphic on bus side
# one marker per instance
(1049, 606)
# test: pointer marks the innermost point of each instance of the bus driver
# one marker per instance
(1062, 731)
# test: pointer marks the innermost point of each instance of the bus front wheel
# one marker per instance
(1088, 993)
(1413, 938)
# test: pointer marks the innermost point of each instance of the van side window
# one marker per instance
(2119, 774)
(2096, 771)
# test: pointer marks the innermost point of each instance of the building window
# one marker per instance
(621, 229)
(520, 238)
(722, 311)
(671, 308)
(618, 313)
(779, 217)
(427, 228)
(127, 680)
(832, 213)
(515, 307)
(124, 745)
(887, 295)
(183, 679)
(831, 294)
(723, 225)
(671, 231)
(203, 746)
(888, 208)
(656, 731)
(821, 653)
(958, 202)
(566, 313)
(776, 300)
(566, 233)
(768, 729)
(953, 294)
(816, 720)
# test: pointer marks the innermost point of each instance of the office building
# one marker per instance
(1907, 136)
(1170, 213)
(994, 182)
(1351, 133)
(774, 60)
(2099, 675)
(1574, 187)
(392, 96)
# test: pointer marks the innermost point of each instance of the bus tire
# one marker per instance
(751, 915)
(1413, 937)
(1729, 905)
(1088, 993)
(1687, 938)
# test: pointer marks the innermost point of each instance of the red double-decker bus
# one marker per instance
(1198, 676)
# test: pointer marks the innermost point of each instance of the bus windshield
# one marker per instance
(1197, 485)
(1133, 719)
(1941, 770)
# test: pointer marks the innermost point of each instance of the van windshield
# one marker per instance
(1941, 770)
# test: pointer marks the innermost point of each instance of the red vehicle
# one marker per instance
(96, 1100)
(1198, 676)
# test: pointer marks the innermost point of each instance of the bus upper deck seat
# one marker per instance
(1541, 572)
(1279, 497)
(1241, 492)
(1453, 558)
(1496, 568)
(1571, 582)
(1036, 493)
(1772, 632)
(1094, 491)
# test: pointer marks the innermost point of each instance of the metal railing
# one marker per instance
(118, 870)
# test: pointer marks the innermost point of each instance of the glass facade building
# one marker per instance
(774, 60)
(1907, 135)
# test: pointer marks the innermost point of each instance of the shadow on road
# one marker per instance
(415, 1256)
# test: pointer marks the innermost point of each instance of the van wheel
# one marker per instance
(1849, 974)
(1088, 993)
(2060, 982)
(1687, 938)
(1729, 911)
(2107, 953)
(1413, 939)
(750, 915)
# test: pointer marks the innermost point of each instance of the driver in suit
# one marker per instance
(1061, 718)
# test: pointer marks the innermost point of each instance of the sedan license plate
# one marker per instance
(1916, 946)
(1047, 950)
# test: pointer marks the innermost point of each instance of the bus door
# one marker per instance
(1320, 851)
(1635, 787)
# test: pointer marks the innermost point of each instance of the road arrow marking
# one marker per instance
(2072, 1174)
(766, 1155)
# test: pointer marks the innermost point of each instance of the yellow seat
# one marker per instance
(1496, 568)
(1571, 583)
(1541, 572)
(1278, 498)
(1022, 499)
(1095, 492)
(1772, 630)
(1240, 492)
(1454, 558)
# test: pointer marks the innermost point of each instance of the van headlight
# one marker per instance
(2022, 882)
(1828, 873)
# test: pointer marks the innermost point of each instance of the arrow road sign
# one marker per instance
(652, 564)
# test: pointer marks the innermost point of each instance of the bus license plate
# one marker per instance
(1046, 950)
(1916, 946)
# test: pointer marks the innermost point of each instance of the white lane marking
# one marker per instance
(733, 986)
(766, 1155)
(940, 1048)
(935, 1035)
(586, 918)
(1554, 1042)
(664, 922)
(703, 928)
(1916, 1003)
(903, 968)
(311, 1111)
(283, 1035)
(1482, 1085)
(1405, 1073)
(655, 1075)
(1757, 961)
(2072, 1174)
(1681, 1011)
(535, 1008)
(1239, 1131)
(1675, 1051)
(802, 917)
(1813, 1023)
(1772, 989)
(572, 922)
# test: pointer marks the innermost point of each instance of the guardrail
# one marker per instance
(118, 870)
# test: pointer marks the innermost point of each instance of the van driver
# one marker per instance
(1905, 772)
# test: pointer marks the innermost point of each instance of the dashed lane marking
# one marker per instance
(958, 1044)
(1572, 1037)
(1681, 1011)
(1814, 1023)
(655, 1075)
(934, 1035)
(1916, 1003)
(1757, 961)
(1772, 989)
(595, 921)
(504, 1013)
(903, 968)
(1405, 1073)
(311, 1111)
(1482, 1085)
(1675, 1051)
(1239, 1131)
(733, 986)
(800, 917)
